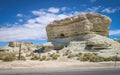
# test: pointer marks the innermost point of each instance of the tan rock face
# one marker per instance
(48, 46)
(26, 47)
(17, 44)
(79, 25)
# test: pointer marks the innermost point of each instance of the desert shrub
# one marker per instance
(107, 58)
(54, 56)
(95, 58)
(112, 58)
(1, 55)
(43, 57)
(95, 54)
(86, 57)
(79, 54)
(22, 58)
(83, 58)
(71, 55)
(35, 57)
(31, 54)
(48, 59)
(9, 57)
(92, 57)
(118, 58)
(67, 53)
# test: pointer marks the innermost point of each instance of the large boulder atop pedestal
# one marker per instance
(61, 32)
(79, 25)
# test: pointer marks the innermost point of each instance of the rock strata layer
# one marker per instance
(62, 32)
(79, 25)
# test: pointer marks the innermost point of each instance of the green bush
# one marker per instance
(9, 57)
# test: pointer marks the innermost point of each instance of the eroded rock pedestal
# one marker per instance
(62, 32)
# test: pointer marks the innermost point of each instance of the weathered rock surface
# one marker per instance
(79, 25)
(48, 46)
(17, 44)
(25, 47)
(93, 42)
(118, 40)
(61, 32)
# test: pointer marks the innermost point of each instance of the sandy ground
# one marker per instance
(56, 64)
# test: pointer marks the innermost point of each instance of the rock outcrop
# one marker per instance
(48, 47)
(61, 32)
(118, 40)
(17, 44)
(25, 47)
(79, 25)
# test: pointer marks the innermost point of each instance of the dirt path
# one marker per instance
(54, 64)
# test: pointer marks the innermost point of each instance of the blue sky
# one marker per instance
(25, 20)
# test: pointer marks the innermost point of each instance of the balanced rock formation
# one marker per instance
(62, 32)
(79, 25)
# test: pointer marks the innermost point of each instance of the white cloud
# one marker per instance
(114, 32)
(109, 10)
(19, 15)
(93, 9)
(53, 10)
(93, 1)
(39, 12)
(20, 20)
(22, 33)
(34, 28)
(64, 8)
